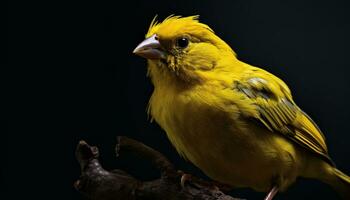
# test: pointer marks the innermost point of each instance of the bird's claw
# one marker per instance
(184, 179)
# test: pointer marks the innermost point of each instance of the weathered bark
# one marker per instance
(98, 184)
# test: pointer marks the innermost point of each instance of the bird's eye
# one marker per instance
(182, 42)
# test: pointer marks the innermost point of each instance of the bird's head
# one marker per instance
(183, 48)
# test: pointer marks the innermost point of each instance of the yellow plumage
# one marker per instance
(237, 123)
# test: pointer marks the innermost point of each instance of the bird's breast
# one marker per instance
(212, 135)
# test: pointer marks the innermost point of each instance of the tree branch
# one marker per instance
(98, 184)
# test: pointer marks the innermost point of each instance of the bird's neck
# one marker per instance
(164, 78)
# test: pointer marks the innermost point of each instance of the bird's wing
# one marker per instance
(277, 111)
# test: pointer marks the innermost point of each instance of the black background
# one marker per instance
(73, 76)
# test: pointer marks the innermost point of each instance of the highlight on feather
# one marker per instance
(183, 21)
(154, 23)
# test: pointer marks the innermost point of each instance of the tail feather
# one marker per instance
(329, 174)
(341, 183)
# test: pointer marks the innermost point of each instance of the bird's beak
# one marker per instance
(150, 48)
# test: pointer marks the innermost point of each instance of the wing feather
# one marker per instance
(278, 112)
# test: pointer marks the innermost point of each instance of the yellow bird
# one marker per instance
(236, 122)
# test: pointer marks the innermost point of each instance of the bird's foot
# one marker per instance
(185, 178)
(199, 183)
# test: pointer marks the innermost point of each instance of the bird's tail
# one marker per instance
(342, 184)
(339, 181)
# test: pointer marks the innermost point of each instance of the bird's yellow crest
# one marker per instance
(175, 22)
